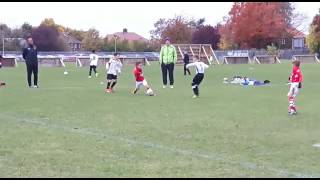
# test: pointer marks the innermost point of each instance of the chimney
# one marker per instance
(125, 30)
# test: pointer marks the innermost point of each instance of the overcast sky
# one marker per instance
(110, 17)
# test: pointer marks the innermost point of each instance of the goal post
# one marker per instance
(51, 61)
(266, 59)
(306, 58)
(236, 60)
(9, 62)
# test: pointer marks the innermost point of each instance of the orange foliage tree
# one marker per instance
(255, 24)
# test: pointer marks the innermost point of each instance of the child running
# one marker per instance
(114, 68)
(295, 79)
(93, 63)
(140, 80)
(200, 67)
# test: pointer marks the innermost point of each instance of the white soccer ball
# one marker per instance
(149, 92)
(65, 73)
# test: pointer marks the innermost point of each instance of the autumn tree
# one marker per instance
(179, 29)
(92, 40)
(51, 23)
(78, 34)
(47, 39)
(256, 24)
(207, 35)
(313, 39)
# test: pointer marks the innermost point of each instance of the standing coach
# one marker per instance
(30, 55)
(168, 58)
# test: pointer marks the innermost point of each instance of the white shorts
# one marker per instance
(294, 90)
(141, 83)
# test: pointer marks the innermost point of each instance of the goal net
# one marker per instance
(306, 58)
(236, 60)
(266, 59)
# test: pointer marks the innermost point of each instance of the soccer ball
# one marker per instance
(150, 92)
(65, 73)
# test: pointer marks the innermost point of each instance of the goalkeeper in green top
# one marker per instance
(168, 58)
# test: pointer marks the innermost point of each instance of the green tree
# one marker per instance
(313, 39)
(92, 40)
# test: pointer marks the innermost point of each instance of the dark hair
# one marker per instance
(116, 54)
(93, 51)
(137, 63)
(28, 37)
(296, 63)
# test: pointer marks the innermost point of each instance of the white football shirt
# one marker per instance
(94, 59)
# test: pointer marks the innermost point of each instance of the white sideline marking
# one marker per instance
(316, 145)
(190, 153)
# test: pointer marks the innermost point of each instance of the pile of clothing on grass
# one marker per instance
(245, 81)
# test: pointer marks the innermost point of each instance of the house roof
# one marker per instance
(70, 39)
(296, 33)
(130, 36)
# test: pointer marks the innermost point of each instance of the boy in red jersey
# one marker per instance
(140, 80)
(296, 79)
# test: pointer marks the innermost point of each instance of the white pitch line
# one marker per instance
(216, 157)
(316, 145)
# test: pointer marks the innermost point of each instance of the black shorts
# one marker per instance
(111, 77)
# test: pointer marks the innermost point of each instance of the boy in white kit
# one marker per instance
(114, 68)
(200, 67)
(93, 63)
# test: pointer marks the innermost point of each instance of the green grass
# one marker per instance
(70, 128)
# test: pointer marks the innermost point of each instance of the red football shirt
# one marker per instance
(138, 74)
(296, 76)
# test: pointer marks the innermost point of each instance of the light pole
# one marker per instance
(115, 43)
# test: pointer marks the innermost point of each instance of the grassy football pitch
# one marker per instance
(70, 128)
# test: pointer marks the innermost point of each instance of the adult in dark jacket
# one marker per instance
(186, 62)
(30, 55)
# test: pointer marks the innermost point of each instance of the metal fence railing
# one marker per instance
(153, 56)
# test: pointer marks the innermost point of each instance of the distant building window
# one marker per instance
(298, 43)
(283, 41)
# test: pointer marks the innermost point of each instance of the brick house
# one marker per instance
(73, 43)
(125, 35)
(293, 39)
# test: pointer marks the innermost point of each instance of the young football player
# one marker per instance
(295, 79)
(200, 67)
(140, 80)
(93, 63)
(114, 68)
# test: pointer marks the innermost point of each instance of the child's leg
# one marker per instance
(196, 82)
(145, 84)
(195, 85)
(138, 84)
(114, 82)
(292, 98)
(95, 69)
(90, 70)
(108, 84)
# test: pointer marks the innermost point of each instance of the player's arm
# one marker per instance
(161, 54)
(24, 53)
(205, 66)
(300, 79)
(174, 55)
(108, 65)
